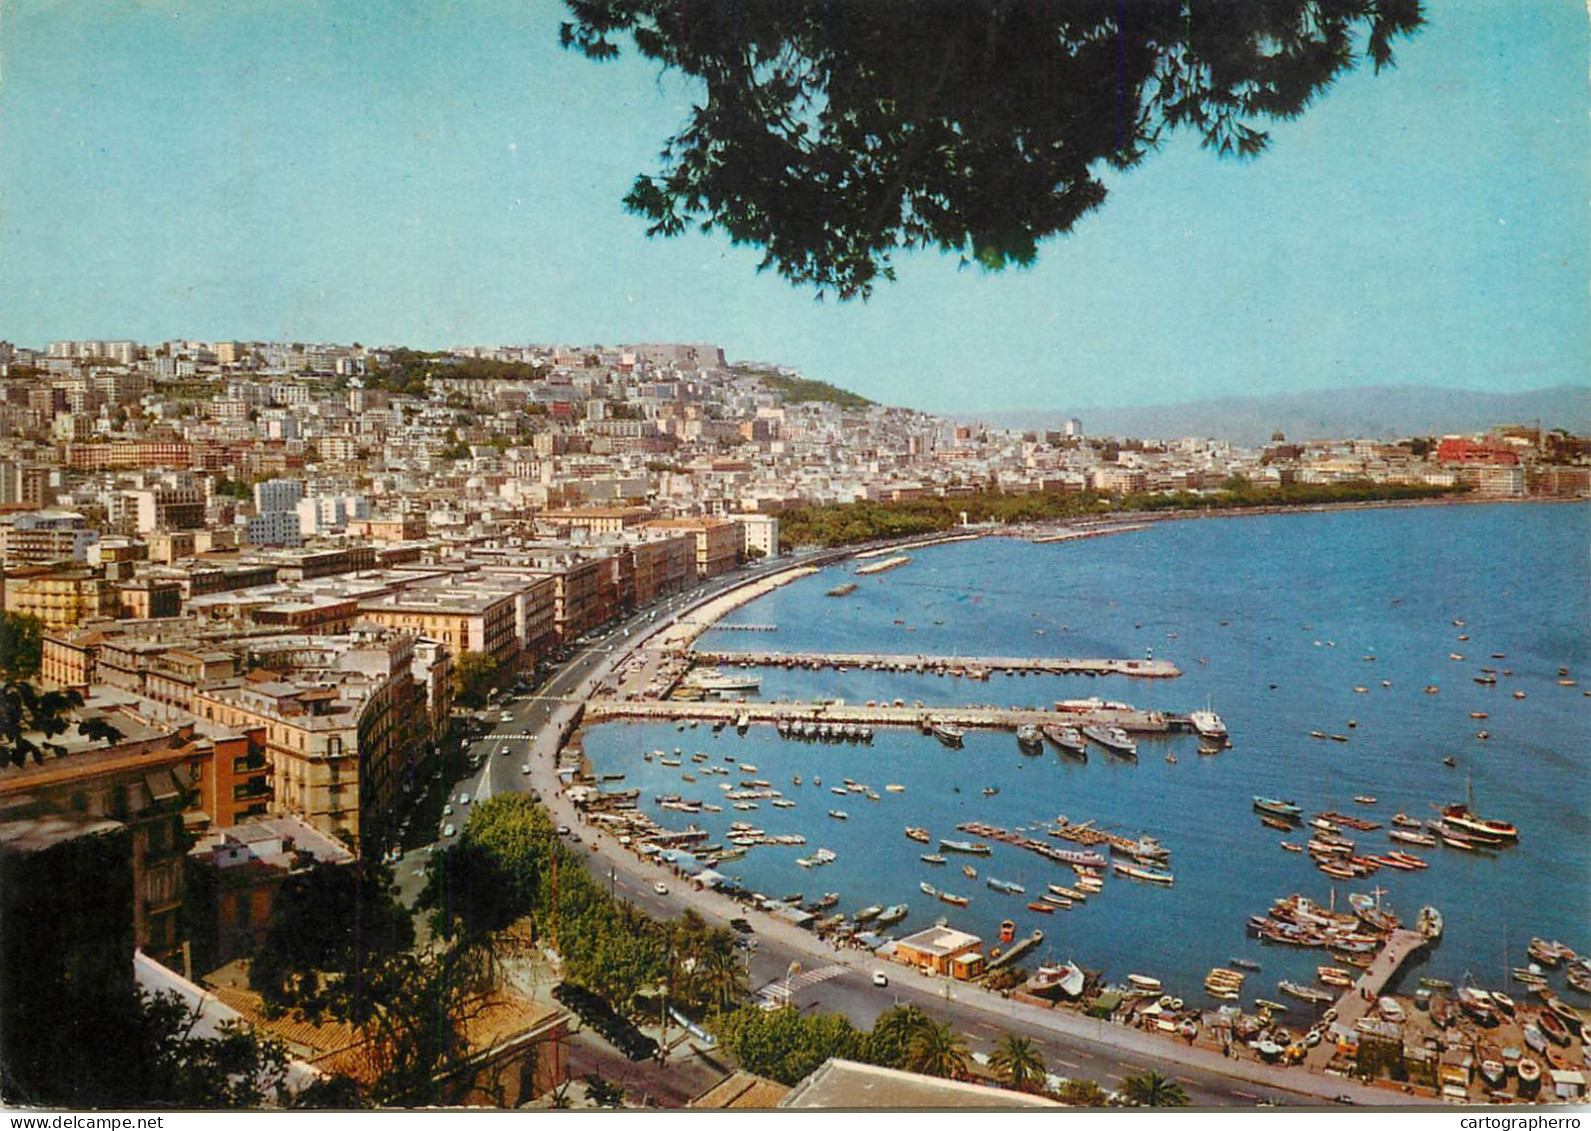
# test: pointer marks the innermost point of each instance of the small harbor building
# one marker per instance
(943, 950)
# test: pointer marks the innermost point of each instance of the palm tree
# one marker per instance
(1017, 1062)
(1154, 1090)
(719, 976)
(938, 1050)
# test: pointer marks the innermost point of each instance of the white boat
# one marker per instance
(1208, 724)
(711, 679)
(1144, 982)
(949, 734)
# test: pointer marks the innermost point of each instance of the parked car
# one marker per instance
(464, 799)
(525, 769)
(448, 830)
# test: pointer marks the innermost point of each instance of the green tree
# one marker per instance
(784, 1044)
(889, 1042)
(30, 719)
(329, 924)
(1079, 1092)
(1018, 1062)
(603, 1093)
(938, 1050)
(832, 134)
(475, 674)
(1150, 1089)
(21, 645)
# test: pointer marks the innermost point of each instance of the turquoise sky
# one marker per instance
(437, 173)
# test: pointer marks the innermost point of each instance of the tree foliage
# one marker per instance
(30, 719)
(1150, 1089)
(21, 645)
(1080, 1092)
(830, 134)
(784, 1044)
(1017, 1061)
(474, 674)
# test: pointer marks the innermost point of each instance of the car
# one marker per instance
(563, 830)
(660, 887)
(448, 830)
(505, 717)
(504, 750)
(741, 925)
(525, 769)
(447, 810)
(880, 978)
(464, 799)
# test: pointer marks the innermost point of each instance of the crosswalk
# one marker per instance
(779, 991)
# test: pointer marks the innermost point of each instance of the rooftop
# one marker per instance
(840, 1084)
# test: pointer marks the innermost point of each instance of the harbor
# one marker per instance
(971, 667)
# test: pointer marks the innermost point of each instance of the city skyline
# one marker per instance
(317, 173)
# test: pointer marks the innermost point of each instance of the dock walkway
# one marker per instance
(707, 711)
(1360, 999)
(973, 666)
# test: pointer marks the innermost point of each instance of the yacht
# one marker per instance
(1208, 724)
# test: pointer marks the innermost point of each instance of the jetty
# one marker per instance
(883, 566)
(608, 708)
(975, 667)
(1078, 535)
(1361, 997)
(922, 544)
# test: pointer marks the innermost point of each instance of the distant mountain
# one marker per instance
(1384, 411)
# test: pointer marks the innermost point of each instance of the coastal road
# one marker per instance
(1073, 1045)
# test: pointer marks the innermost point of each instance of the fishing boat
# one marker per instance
(1429, 922)
(1273, 1006)
(1008, 887)
(1067, 739)
(1461, 817)
(1165, 879)
(1579, 978)
(919, 835)
(1404, 821)
(970, 848)
(829, 900)
(953, 900)
(867, 914)
(1007, 931)
(948, 734)
(1478, 1004)
(1112, 738)
(1068, 893)
(1054, 900)
(839, 814)
(928, 889)
(1042, 907)
(1364, 799)
(1529, 1073)
(1334, 976)
(1277, 808)
(892, 914)
(1408, 837)
(1553, 1028)
(1436, 983)
(931, 858)
(1271, 822)
(990, 790)
(1549, 953)
(1144, 982)
(1029, 740)
(1292, 847)
(1306, 993)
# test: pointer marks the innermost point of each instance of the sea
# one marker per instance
(1276, 621)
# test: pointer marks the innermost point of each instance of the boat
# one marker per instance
(1529, 1073)
(1272, 1006)
(919, 835)
(892, 914)
(839, 814)
(1579, 978)
(1029, 740)
(1277, 808)
(1404, 821)
(1069, 893)
(1306, 993)
(1057, 981)
(1334, 976)
(1461, 817)
(1042, 907)
(1493, 1072)
(1407, 837)
(1478, 1004)
(928, 889)
(969, 871)
(1208, 724)
(1007, 931)
(867, 914)
(1390, 1009)
(970, 848)
(1364, 799)
(1164, 878)
(1144, 982)
(1436, 983)
(1562, 1012)
(953, 900)
(1429, 922)
(1244, 963)
(829, 900)
(1067, 739)
(1112, 738)
(1553, 1028)
(711, 679)
(949, 734)
(990, 790)
(1271, 822)
(931, 858)
(1549, 953)
(1008, 887)
(894, 789)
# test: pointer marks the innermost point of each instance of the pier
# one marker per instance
(973, 667)
(1360, 999)
(653, 710)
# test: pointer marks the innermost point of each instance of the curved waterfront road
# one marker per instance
(840, 980)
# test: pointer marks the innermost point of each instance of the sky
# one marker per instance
(440, 172)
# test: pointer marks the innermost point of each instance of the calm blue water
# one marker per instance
(1273, 621)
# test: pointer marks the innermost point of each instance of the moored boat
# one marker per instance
(970, 848)
(1006, 886)
(954, 900)
(1067, 739)
(1208, 724)
(1112, 738)
(1277, 807)
(892, 914)
(1029, 740)
(1429, 922)
(948, 733)
(919, 835)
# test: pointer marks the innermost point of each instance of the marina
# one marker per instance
(989, 784)
(974, 667)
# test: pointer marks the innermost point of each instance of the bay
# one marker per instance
(1275, 621)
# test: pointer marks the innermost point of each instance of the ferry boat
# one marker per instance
(1029, 740)
(1067, 739)
(949, 734)
(1208, 724)
(1112, 738)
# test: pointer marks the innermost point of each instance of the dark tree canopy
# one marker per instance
(832, 132)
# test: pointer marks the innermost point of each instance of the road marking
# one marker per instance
(986, 1025)
(1067, 1063)
(1245, 1095)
